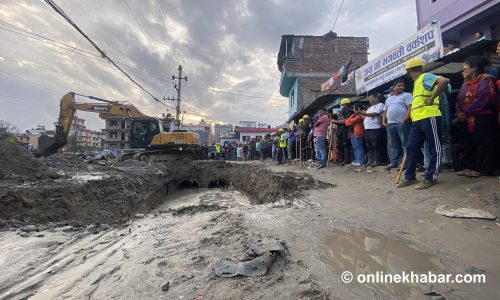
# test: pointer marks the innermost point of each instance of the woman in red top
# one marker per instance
(357, 135)
(476, 106)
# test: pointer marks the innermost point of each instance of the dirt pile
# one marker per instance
(16, 161)
(83, 189)
(77, 190)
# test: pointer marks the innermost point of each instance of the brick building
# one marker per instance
(305, 62)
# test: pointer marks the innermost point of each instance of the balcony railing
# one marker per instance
(113, 139)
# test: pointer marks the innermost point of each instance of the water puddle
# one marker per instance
(364, 251)
(222, 197)
(84, 177)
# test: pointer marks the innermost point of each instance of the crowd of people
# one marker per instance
(429, 130)
(273, 145)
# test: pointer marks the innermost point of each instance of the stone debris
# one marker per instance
(255, 267)
(471, 213)
(263, 253)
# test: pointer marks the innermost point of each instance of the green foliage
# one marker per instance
(72, 143)
(13, 139)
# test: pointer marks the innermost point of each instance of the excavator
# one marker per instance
(150, 140)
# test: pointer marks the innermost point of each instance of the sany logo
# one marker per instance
(101, 108)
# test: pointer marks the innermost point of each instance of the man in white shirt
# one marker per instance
(374, 132)
(397, 120)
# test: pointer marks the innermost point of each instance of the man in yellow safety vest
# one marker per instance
(428, 91)
(282, 152)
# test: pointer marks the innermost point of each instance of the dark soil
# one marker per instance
(78, 188)
(16, 161)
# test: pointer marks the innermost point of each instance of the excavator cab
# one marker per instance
(142, 132)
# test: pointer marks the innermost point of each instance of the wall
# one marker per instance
(318, 59)
(326, 55)
(449, 12)
(459, 19)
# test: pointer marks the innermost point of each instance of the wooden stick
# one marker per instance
(329, 150)
(300, 149)
(401, 167)
(296, 147)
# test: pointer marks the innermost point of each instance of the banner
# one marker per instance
(426, 43)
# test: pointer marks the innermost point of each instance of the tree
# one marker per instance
(7, 130)
(73, 143)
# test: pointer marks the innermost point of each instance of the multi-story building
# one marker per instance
(81, 132)
(30, 137)
(306, 62)
(202, 128)
(116, 132)
(221, 130)
(96, 138)
(249, 124)
(86, 139)
(461, 19)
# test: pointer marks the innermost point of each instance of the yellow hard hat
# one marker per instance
(263, 136)
(305, 117)
(281, 130)
(301, 121)
(345, 101)
(414, 62)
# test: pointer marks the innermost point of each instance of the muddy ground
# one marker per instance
(326, 221)
(78, 189)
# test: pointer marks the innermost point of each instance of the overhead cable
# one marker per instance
(101, 52)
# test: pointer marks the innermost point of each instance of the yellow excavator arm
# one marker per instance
(68, 107)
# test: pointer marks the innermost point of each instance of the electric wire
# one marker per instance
(136, 21)
(338, 13)
(165, 29)
(133, 69)
(57, 101)
(103, 54)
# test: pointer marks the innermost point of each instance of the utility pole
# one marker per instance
(177, 83)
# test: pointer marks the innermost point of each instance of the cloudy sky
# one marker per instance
(227, 49)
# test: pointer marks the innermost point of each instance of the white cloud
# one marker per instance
(224, 44)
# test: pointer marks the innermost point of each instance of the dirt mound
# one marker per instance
(15, 160)
(87, 190)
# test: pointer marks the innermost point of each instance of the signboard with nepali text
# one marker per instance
(426, 43)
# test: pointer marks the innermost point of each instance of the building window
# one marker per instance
(112, 135)
(113, 123)
(292, 98)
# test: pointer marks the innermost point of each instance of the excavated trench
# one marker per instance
(258, 184)
(69, 191)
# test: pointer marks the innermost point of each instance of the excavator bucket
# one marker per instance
(47, 145)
